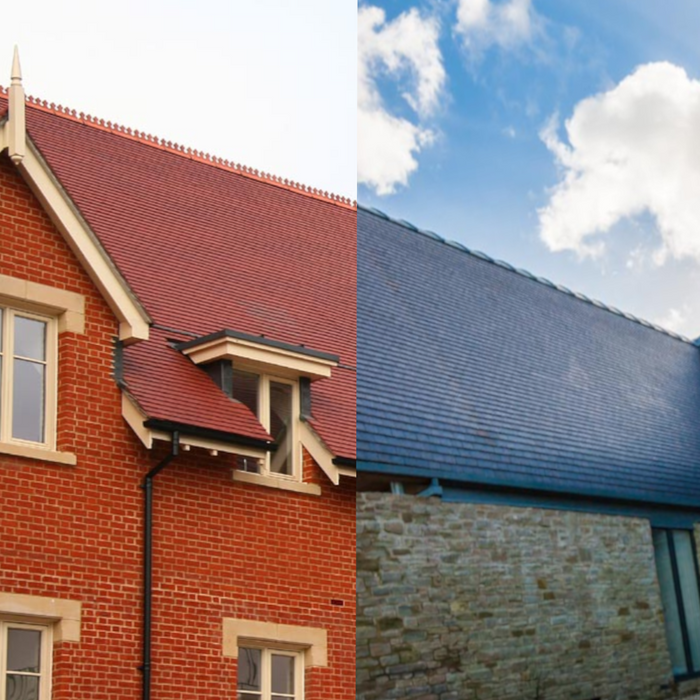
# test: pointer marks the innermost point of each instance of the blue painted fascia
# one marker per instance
(674, 518)
(513, 483)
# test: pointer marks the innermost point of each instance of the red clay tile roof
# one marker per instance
(206, 246)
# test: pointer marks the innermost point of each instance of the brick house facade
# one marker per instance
(253, 564)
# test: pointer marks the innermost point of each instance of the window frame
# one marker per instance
(7, 352)
(264, 413)
(267, 652)
(693, 672)
(45, 659)
(263, 416)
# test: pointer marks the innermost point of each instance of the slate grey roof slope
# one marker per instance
(473, 372)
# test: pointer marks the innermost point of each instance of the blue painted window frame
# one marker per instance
(681, 602)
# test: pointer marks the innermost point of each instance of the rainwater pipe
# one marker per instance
(147, 487)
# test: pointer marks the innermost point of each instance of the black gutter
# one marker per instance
(147, 486)
(344, 462)
(209, 433)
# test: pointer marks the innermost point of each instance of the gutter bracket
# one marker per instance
(435, 489)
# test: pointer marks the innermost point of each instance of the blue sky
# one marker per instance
(563, 137)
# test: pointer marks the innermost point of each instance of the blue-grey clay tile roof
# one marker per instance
(475, 372)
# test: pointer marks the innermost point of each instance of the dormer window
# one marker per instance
(266, 376)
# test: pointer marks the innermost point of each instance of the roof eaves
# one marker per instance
(512, 482)
(525, 273)
(218, 435)
(258, 340)
(349, 462)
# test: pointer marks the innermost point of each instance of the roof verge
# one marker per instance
(134, 320)
(524, 273)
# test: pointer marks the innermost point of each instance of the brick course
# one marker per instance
(221, 549)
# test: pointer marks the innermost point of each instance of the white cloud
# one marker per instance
(674, 319)
(407, 46)
(483, 23)
(631, 150)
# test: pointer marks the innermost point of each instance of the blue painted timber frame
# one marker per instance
(660, 515)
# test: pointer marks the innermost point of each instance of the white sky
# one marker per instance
(269, 84)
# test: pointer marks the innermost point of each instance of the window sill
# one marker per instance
(40, 453)
(276, 483)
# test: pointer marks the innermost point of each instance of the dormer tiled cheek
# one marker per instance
(275, 402)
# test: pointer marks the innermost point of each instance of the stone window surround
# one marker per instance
(64, 615)
(313, 641)
(68, 308)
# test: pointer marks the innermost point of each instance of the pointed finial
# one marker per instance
(16, 124)
(16, 77)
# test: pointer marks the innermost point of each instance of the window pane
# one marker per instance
(28, 401)
(689, 590)
(30, 338)
(22, 687)
(249, 696)
(280, 427)
(248, 464)
(23, 648)
(249, 669)
(1, 328)
(670, 604)
(245, 389)
(282, 674)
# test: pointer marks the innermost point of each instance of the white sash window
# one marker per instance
(25, 661)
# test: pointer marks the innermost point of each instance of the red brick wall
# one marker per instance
(221, 549)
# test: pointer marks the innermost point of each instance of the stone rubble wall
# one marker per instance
(485, 602)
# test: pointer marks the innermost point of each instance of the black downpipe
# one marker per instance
(147, 487)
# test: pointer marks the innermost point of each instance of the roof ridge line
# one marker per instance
(187, 152)
(526, 273)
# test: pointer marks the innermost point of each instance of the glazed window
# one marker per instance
(269, 674)
(275, 402)
(27, 378)
(677, 571)
(280, 425)
(25, 661)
